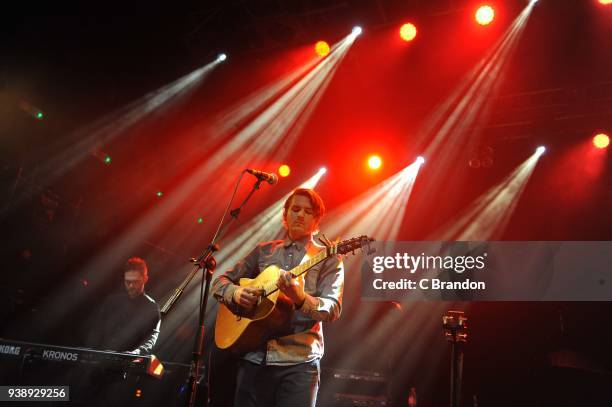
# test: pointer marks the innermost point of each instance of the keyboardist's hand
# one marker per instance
(247, 297)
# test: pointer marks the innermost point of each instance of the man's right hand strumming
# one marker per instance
(247, 297)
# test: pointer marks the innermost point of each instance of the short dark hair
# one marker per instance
(318, 206)
(136, 264)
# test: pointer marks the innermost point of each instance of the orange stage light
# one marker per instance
(284, 170)
(322, 48)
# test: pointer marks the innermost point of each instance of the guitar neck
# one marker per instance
(304, 267)
(313, 261)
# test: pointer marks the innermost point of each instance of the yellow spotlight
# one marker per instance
(374, 162)
(284, 170)
(485, 15)
(322, 48)
(408, 32)
(601, 140)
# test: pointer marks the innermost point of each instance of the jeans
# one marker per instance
(277, 386)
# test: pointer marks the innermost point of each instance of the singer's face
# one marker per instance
(300, 220)
(134, 282)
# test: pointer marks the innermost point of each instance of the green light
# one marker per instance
(159, 194)
(107, 159)
(39, 115)
(200, 220)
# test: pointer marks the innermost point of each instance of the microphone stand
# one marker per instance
(207, 263)
(455, 331)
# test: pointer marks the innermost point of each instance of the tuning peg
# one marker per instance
(366, 242)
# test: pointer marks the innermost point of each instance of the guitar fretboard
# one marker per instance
(297, 271)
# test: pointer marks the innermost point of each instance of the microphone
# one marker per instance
(264, 176)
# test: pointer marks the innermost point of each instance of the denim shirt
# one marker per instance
(323, 283)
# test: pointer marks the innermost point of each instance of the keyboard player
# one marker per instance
(128, 321)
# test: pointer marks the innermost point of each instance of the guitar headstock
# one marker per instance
(350, 245)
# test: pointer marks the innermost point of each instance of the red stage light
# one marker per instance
(601, 141)
(605, 2)
(484, 15)
(322, 48)
(284, 170)
(374, 162)
(408, 32)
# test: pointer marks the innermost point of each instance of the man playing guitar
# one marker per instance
(284, 370)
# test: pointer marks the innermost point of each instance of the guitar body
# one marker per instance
(272, 316)
(246, 332)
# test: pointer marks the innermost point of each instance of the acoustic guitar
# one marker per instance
(271, 316)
